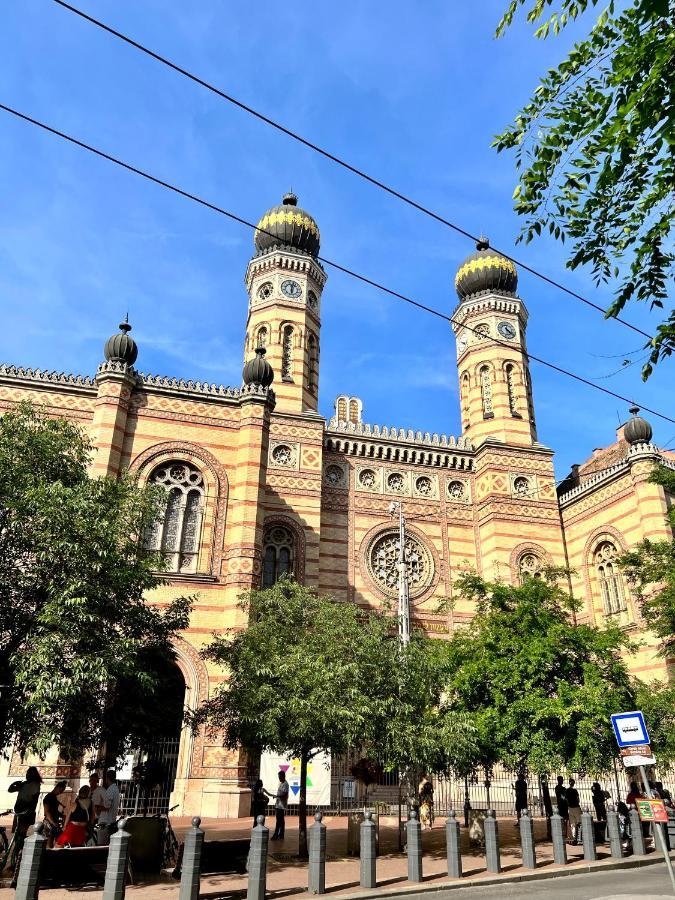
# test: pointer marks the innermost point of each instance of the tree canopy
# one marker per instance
(594, 150)
(310, 674)
(75, 629)
(539, 688)
(650, 567)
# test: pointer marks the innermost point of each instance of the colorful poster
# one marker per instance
(318, 776)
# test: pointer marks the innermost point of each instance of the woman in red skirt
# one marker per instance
(74, 833)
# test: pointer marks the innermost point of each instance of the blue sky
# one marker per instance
(412, 93)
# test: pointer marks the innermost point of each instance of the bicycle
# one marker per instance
(10, 852)
(169, 841)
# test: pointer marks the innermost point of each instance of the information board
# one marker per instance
(318, 776)
(652, 810)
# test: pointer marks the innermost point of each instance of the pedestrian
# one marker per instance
(574, 810)
(107, 820)
(426, 800)
(259, 800)
(664, 793)
(600, 798)
(520, 789)
(28, 794)
(280, 807)
(561, 801)
(97, 794)
(74, 832)
(634, 794)
(53, 812)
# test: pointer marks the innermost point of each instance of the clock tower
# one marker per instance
(284, 282)
(490, 324)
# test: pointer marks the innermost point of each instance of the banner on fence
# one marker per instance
(318, 776)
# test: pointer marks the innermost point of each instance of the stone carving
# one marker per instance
(457, 490)
(486, 390)
(382, 562)
(521, 486)
(334, 474)
(282, 455)
(424, 486)
(396, 482)
(529, 566)
(50, 377)
(367, 479)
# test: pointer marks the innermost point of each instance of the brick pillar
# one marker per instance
(115, 381)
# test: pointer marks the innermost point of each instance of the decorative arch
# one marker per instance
(522, 550)
(485, 375)
(191, 753)
(605, 582)
(300, 542)
(216, 484)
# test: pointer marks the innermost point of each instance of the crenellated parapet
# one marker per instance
(43, 377)
(398, 434)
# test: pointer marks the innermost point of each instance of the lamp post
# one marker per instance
(403, 590)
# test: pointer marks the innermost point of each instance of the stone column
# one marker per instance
(257, 861)
(317, 856)
(558, 838)
(453, 846)
(527, 841)
(588, 836)
(414, 834)
(115, 382)
(492, 858)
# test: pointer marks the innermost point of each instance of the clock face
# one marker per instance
(506, 330)
(291, 289)
(462, 343)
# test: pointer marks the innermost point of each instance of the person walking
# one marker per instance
(28, 794)
(426, 801)
(280, 807)
(53, 812)
(107, 820)
(574, 810)
(599, 797)
(520, 789)
(259, 800)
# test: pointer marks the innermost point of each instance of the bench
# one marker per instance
(219, 857)
(73, 866)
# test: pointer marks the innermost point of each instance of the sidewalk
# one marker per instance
(287, 876)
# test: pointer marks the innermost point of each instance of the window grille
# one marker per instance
(176, 530)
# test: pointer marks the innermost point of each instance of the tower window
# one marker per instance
(176, 530)
(529, 566)
(354, 413)
(342, 409)
(278, 554)
(510, 387)
(611, 582)
(262, 337)
(486, 391)
(312, 364)
(287, 354)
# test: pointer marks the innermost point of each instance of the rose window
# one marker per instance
(456, 490)
(333, 474)
(282, 455)
(367, 478)
(424, 486)
(482, 331)
(395, 482)
(383, 562)
(521, 486)
(529, 566)
(265, 290)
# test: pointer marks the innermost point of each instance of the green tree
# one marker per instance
(539, 688)
(650, 567)
(74, 626)
(594, 149)
(657, 702)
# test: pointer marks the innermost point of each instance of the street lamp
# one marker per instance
(403, 591)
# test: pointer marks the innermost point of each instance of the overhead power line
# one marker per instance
(334, 265)
(338, 161)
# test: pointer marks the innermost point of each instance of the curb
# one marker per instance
(580, 868)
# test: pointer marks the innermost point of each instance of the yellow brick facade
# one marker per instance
(273, 469)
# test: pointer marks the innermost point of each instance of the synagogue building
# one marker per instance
(259, 484)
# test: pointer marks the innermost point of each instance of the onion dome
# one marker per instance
(289, 226)
(120, 347)
(258, 370)
(637, 430)
(486, 272)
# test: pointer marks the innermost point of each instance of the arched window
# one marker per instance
(529, 566)
(278, 554)
(486, 391)
(611, 583)
(528, 389)
(262, 337)
(311, 363)
(354, 415)
(509, 371)
(342, 409)
(176, 530)
(287, 354)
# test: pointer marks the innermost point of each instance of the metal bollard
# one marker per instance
(192, 858)
(116, 870)
(257, 861)
(636, 835)
(28, 882)
(492, 860)
(558, 838)
(368, 851)
(527, 841)
(613, 832)
(317, 856)
(414, 833)
(453, 846)
(588, 836)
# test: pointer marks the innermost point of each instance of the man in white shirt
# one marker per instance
(280, 807)
(97, 795)
(107, 820)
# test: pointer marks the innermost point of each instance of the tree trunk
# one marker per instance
(303, 852)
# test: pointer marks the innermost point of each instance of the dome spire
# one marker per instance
(637, 430)
(287, 227)
(121, 347)
(486, 272)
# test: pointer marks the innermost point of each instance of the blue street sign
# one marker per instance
(630, 728)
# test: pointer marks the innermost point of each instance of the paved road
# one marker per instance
(648, 883)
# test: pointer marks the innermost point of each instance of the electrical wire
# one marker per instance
(337, 266)
(337, 160)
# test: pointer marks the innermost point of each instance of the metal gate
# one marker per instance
(162, 755)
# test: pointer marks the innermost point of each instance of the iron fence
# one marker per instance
(133, 797)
